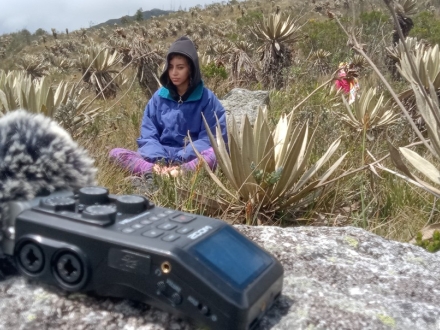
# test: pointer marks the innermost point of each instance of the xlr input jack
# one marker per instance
(31, 258)
(69, 270)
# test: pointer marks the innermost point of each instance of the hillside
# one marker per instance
(146, 15)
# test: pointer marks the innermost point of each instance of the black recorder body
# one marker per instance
(124, 246)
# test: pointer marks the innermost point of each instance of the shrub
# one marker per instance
(40, 32)
(431, 245)
(372, 21)
(212, 70)
(426, 26)
(325, 35)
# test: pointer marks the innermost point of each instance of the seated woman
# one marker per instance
(172, 113)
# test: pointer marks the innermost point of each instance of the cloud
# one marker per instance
(46, 14)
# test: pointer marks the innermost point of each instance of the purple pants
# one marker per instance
(136, 164)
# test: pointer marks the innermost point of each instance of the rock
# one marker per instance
(335, 278)
(239, 102)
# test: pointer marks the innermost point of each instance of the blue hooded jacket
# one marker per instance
(168, 117)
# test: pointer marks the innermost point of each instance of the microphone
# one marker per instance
(37, 157)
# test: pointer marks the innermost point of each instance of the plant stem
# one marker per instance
(364, 217)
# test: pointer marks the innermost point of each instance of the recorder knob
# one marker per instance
(58, 204)
(93, 195)
(131, 204)
(103, 213)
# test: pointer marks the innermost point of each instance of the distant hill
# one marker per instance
(147, 14)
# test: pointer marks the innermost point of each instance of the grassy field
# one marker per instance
(377, 201)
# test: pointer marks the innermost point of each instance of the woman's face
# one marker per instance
(179, 71)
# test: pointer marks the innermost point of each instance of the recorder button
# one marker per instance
(138, 226)
(93, 195)
(167, 226)
(153, 233)
(204, 310)
(184, 230)
(131, 204)
(103, 213)
(170, 238)
(182, 218)
(176, 298)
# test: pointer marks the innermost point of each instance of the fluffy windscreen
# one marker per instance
(37, 155)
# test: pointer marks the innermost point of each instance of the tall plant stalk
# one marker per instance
(364, 216)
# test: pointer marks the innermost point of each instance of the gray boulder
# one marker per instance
(335, 278)
(239, 102)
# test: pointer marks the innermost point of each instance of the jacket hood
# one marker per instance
(182, 46)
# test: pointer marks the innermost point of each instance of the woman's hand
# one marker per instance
(174, 171)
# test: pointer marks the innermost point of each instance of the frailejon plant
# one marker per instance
(320, 61)
(365, 114)
(409, 7)
(368, 112)
(396, 51)
(63, 103)
(98, 66)
(243, 68)
(402, 9)
(267, 169)
(427, 66)
(276, 34)
(427, 101)
(33, 65)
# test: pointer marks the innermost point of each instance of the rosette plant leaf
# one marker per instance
(396, 51)
(409, 6)
(424, 80)
(244, 70)
(320, 61)
(268, 168)
(430, 111)
(369, 111)
(427, 62)
(7, 90)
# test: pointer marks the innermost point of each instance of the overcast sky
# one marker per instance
(16, 15)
